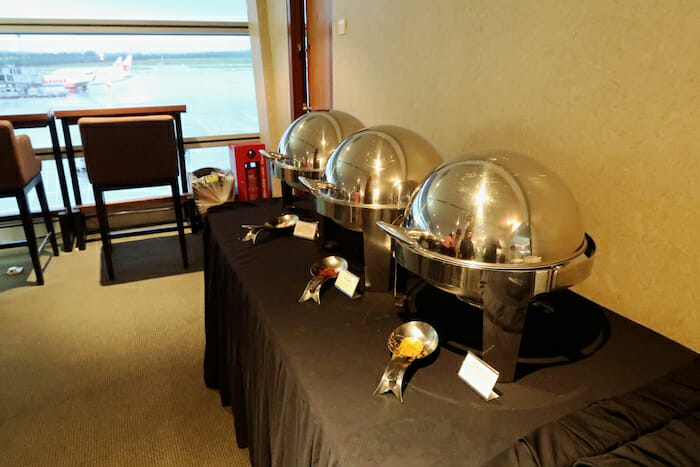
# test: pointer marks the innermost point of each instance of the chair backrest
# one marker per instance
(129, 150)
(18, 163)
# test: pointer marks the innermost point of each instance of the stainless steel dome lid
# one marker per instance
(497, 229)
(309, 141)
(377, 167)
(496, 208)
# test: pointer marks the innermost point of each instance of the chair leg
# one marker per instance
(28, 225)
(41, 194)
(180, 223)
(80, 230)
(104, 229)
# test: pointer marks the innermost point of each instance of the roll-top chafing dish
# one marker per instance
(495, 228)
(307, 144)
(370, 177)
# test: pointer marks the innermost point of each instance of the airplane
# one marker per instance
(69, 78)
(79, 78)
(119, 70)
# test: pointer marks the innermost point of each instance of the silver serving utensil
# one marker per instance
(421, 340)
(313, 287)
(282, 222)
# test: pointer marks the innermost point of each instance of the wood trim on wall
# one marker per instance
(319, 37)
(297, 56)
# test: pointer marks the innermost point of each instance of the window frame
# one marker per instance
(82, 26)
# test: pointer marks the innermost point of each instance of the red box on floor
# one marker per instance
(251, 171)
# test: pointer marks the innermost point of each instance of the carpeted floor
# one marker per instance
(100, 373)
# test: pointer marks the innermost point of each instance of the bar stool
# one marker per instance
(20, 171)
(130, 152)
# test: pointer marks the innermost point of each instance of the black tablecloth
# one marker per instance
(300, 377)
(656, 424)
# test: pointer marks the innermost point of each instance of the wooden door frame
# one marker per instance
(319, 54)
(317, 13)
(296, 23)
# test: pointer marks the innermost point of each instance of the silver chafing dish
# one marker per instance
(307, 144)
(368, 178)
(495, 228)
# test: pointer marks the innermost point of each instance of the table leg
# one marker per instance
(65, 219)
(76, 215)
(287, 195)
(80, 229)
(59, 164)
(506, 297)
(193, 215)
(70, 153)
(181, 153)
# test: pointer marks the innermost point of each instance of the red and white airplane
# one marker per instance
(80, 78)
(69, 78)
(118, 71)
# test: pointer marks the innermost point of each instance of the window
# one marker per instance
(75, 55)
(212, 75)
(149, 10)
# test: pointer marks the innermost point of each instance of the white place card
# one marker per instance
(347, 282)
(479, 375)
(307, 230)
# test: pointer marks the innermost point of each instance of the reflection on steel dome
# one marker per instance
(379, 167)
(309, 141)
(369, 178)
(495, 228)
(307, 144)
(497, 207)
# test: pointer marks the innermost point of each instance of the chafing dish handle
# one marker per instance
(397, 232)
(316, 185)
(272, 155)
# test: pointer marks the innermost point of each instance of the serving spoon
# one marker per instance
(323, 270)
(408, 342)
(279, 223)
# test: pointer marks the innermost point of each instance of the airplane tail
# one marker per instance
(117, 63)
(126, 65)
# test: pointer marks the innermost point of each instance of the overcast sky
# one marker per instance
(199, 10)
(120, 44)
(163, 10)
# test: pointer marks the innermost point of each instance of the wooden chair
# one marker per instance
(20, 171)
(130, 152)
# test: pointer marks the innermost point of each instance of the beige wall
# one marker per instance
(269, 47)
(605, 93)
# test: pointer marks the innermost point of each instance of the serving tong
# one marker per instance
(282, 222)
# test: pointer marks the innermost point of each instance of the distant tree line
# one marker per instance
(78, 58)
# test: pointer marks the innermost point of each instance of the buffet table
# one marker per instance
(300, 377)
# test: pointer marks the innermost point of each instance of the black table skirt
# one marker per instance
(300, 377)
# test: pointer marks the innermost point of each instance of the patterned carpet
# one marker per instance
(100, 373)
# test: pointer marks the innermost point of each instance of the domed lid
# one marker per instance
(309, 141)
(378, 167)
(496, 207)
